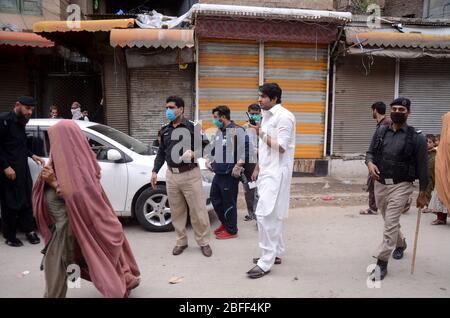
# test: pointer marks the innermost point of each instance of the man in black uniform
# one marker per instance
(181, 144)
(396, 157)
(15, 177)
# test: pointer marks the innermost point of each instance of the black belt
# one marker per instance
(184, 168)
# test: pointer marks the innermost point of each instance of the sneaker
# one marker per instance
(221, 228)
(249, 217)
(225, 235)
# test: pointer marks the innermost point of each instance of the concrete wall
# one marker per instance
(296, 4)
(339, 168)
(436, 9)
(50, 11)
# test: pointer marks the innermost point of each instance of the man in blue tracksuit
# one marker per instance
(231, 146)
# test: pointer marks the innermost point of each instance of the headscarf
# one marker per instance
(110, 262)
(442, 165)
(76, 113)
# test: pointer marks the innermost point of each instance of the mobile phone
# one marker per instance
(250, 120)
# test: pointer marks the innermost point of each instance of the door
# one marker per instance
(114, 175)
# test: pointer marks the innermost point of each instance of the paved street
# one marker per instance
(327, 252)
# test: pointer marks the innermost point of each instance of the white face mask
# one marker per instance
(75, 110)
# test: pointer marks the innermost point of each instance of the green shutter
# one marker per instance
(31, 7)
(10, 6)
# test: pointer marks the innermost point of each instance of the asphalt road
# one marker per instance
(328, 250)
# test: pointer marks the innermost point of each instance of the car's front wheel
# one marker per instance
(152, 210)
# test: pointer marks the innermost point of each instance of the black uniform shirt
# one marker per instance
(177, 140)
(14, 153)
(394, 144)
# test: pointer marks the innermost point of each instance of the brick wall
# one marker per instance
(295, 4)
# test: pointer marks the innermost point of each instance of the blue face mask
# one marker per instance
(256, 117)
(218, 123)
(170, 114)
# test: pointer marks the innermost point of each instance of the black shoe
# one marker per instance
(249, 217)
(32, 238)
(398, 252)
(277, 260)
(257, 272)
(15, 242)
(381, 269)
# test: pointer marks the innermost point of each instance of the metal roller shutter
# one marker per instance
(427, 83)
(116, 92)
(228, 75)
(149, 88)
(301, 71)
(355, 92)
(15, 83)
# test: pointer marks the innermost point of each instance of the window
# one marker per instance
(36, 143)
(28, 7)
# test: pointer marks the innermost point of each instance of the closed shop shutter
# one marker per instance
(14, 83)
(228, 75)
(426, 82)
(149, 88)
(301, 71)
(359, 84)
(116, 92)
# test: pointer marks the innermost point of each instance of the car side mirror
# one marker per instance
(113, 155)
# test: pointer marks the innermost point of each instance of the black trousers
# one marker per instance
(12, 219)
(224, 193)
(251, 195)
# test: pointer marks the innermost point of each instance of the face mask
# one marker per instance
(170, 114)
(218, 123)
(398, 118)
(256, 117)
(75, 110)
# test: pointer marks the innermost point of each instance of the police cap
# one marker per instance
(27, 101)
(402, 101)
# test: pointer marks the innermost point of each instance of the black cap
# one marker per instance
(402, 101)
(27, 101)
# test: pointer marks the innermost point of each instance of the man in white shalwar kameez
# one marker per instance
(274, 174)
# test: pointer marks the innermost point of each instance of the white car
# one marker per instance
(126, 165)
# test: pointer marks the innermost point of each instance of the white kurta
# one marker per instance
(275, 174)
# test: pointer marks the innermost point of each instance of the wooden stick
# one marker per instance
(413, 264)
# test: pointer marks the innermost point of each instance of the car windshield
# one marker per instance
(123, 139)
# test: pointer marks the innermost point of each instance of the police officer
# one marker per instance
(229, 153)
(251, 194)
(181, 144)
(396, 157)
(15, 177)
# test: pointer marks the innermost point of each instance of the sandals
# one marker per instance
(368, 212)
(438, 222)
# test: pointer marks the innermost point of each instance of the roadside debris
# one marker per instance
(176, 279)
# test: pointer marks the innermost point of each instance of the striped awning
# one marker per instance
(424, 38)
(24, 39)
(76, 26)
(152, 38)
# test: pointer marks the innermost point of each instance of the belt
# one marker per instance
(183, 168)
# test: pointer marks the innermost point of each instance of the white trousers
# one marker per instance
(270, 240)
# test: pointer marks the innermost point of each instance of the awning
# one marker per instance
(202, 9)
(152, 38)
(88, 25)
(24, 39)
(426, 38)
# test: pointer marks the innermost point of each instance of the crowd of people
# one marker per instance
(79, 226)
